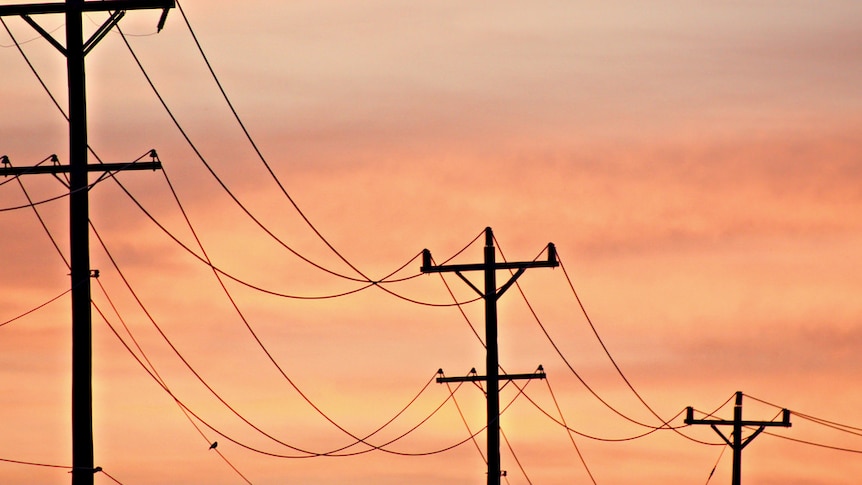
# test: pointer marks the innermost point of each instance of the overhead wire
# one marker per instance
(215, 175)
(257, 338)
(370, 283)
(563, 357)
(151, 367)
(607, 352)
(466, 424)
(270, 233)
(36, 308)
(250, 448)
(334, 452)
(278, 455)
(377, 283)
(830, 424)
(257, 149)
(33, 463)
(104, 291)
(512, 452)
(714, 467)
(602, 343)
(569, 432)
(56, 103)
(853, 430)
(16, 43)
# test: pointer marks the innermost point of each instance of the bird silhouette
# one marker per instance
(213, 446)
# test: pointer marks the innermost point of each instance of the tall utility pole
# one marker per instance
(737, 443)
(78, 169)
(491, 295)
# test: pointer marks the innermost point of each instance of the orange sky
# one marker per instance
(697, 166)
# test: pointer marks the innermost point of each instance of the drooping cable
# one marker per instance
(257, 149)
(853, 430)
(613, 361)
(377, 283)
(517, 461)
(466, 424)
(18, 43)
(569, 432)
(104, 291)
(152, 369)
(235, 441)
(566, 360)
(255, 336)
(824, 422)
(242, 206)
(331, 453)
(602, 343)
(33, 463)
(151, 217)
(334, 452)
(714, 467)
(36, 308)
(218, 179)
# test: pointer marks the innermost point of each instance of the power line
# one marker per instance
(110, 301)
(517, 461)
(153, 373)
(569, 433)
(218, 179)
(300, 392)
(378, 283)
(37, 308)
(257, 149)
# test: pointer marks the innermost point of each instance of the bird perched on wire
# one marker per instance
(213, 446)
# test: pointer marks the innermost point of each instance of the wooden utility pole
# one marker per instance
(75, 50)
(491, 295)
(737, 443)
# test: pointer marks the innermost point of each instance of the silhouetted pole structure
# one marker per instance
(491, 295)
(78, 169)
(738, 423)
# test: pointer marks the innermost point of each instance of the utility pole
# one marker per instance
(491, 295)
(738, 423)
(78, 169)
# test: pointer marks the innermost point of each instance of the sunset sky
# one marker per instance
(698, 166)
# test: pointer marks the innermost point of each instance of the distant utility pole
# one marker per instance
(491, 295)
(738, 423)
(78, 169)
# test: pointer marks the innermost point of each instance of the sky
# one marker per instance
(697, 165)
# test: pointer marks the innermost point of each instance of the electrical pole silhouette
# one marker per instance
(491, 295)
(738, 423)
(78, 169)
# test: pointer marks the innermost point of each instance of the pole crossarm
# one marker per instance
(785, 422)
(736, 441)
(504, 377)
(91, 6)
(102, 167)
